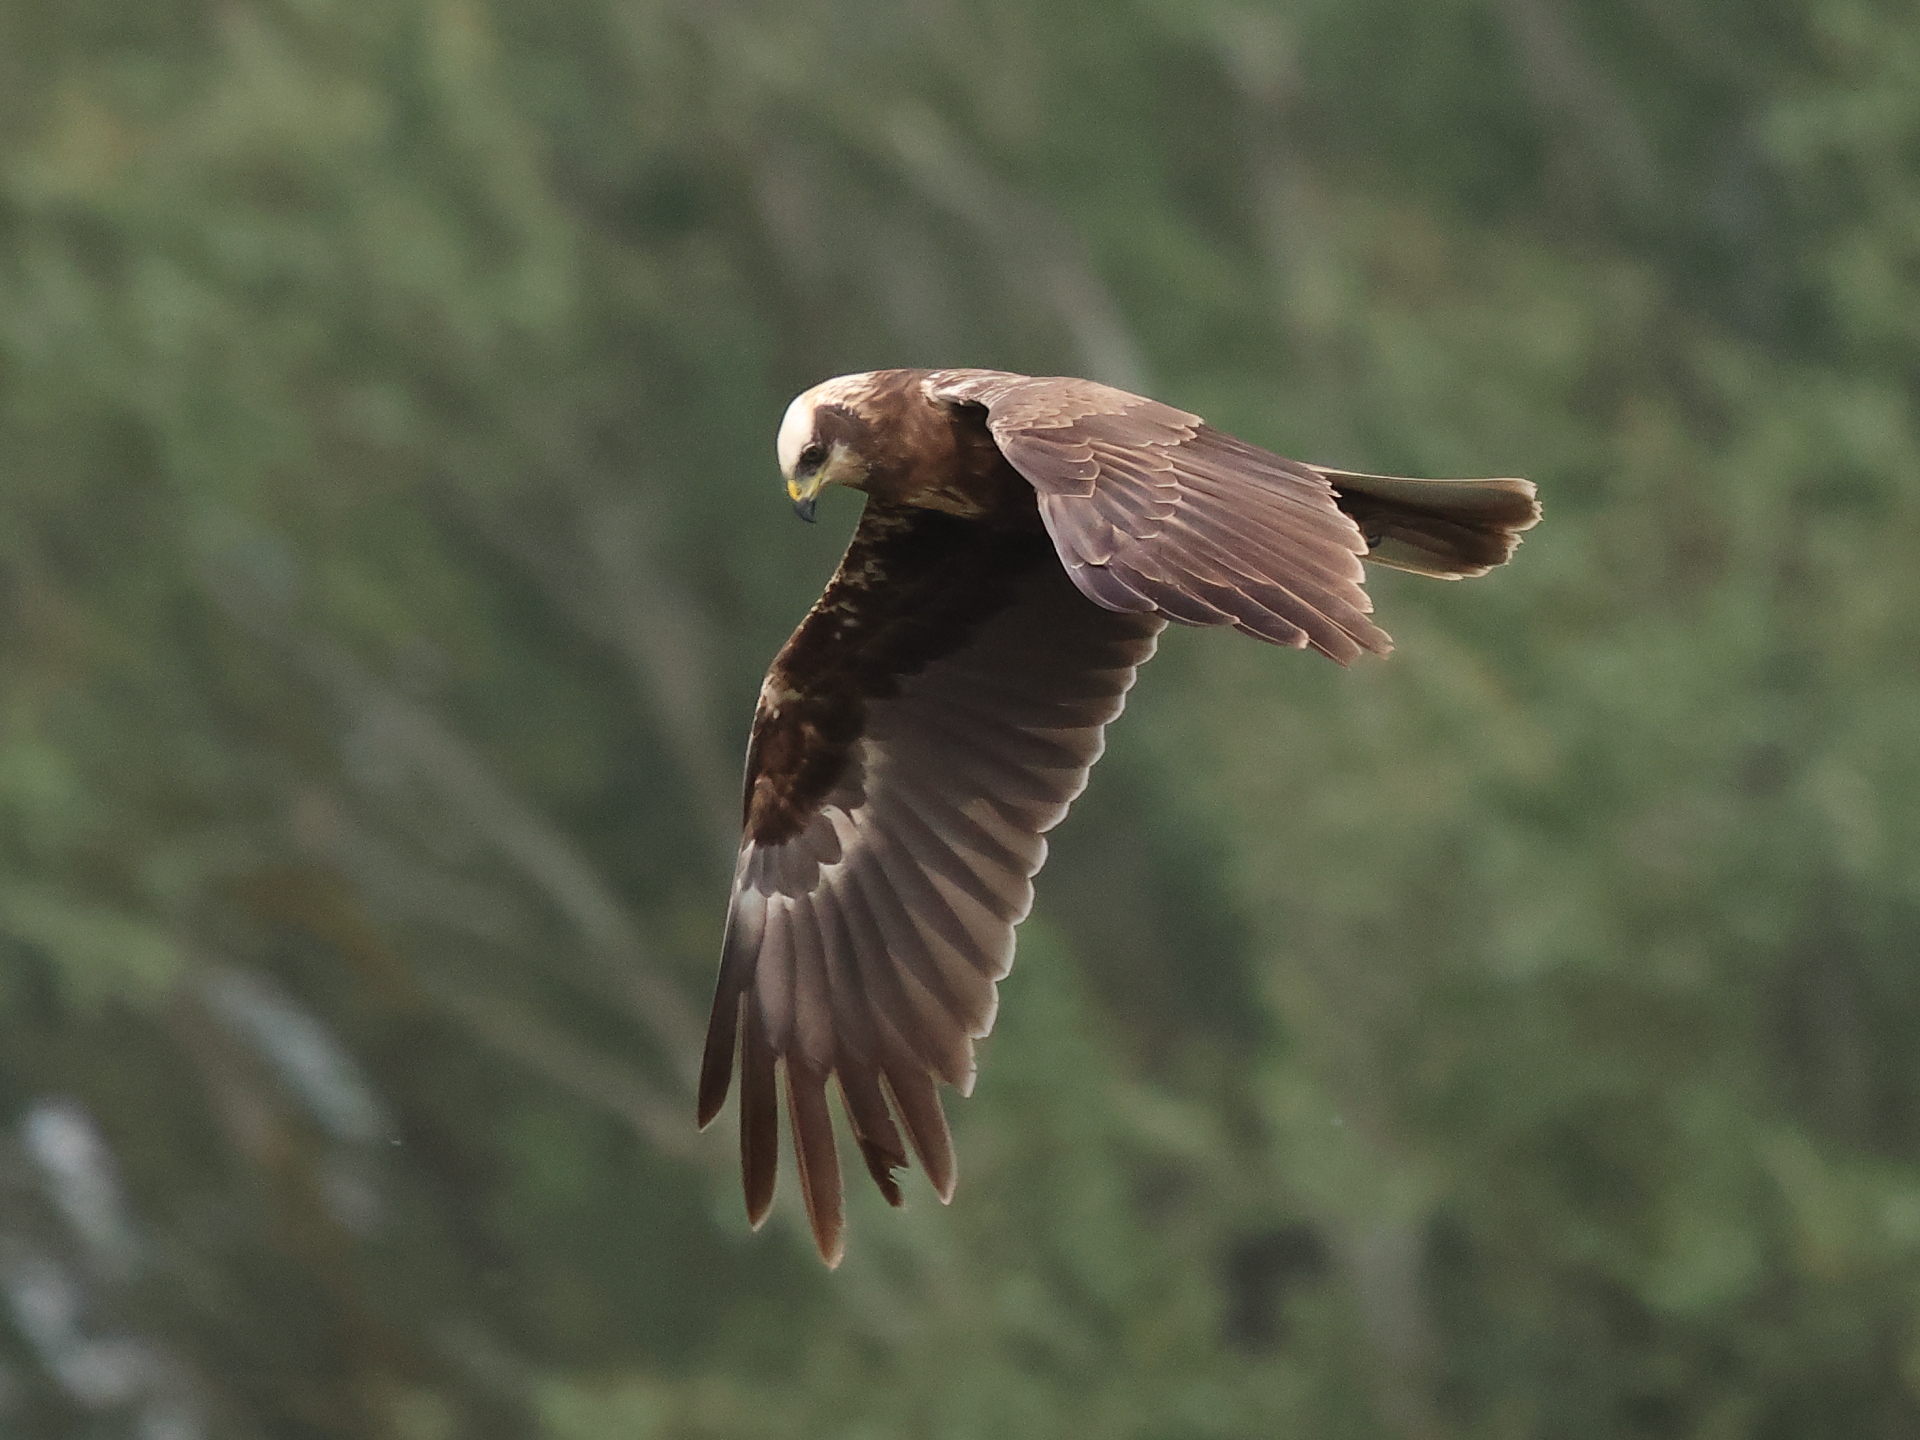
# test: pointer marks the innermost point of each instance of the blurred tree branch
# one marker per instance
(406, 732)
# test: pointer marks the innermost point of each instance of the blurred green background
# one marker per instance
(1517, 1038)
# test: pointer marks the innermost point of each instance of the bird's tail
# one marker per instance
(1448, 528)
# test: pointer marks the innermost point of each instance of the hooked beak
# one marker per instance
(806, 495)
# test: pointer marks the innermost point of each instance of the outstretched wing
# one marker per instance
(1156, 512)
(927, 724)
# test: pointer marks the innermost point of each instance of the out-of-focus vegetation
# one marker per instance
(1513, 1039)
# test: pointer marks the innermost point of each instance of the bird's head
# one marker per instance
(823, 440)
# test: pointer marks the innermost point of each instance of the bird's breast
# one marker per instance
(972, 485)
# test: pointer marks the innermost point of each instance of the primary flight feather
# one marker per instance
(1024, 542)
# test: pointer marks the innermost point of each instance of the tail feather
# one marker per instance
(1451, 529)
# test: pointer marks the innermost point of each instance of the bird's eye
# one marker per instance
(813, 457)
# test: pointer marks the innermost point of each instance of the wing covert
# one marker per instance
(1154, 511)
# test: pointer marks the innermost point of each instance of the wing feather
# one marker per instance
(1153, 510)
(987, 907)
(914, 1096)
(816, 1031)
(899, 788)
(873, 1128)
(1102, 583)
(900, 1007)
(853, 1035)
(773, 975)
(759, 1115)
(917, 955)
(814, 1154)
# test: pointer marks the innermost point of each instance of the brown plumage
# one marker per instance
(1023, 545)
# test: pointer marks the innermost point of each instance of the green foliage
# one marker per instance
(1510, 1039)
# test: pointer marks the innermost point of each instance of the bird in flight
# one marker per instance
(1024, 542)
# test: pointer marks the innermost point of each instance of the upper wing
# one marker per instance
(1153, 510)
(925, 726)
